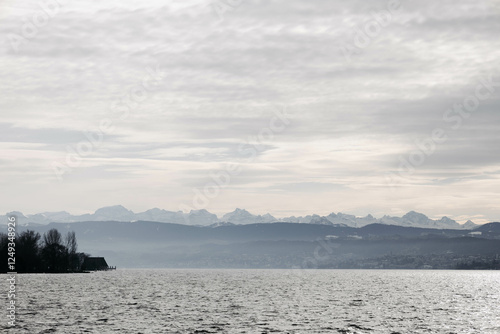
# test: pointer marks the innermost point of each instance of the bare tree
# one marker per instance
(27, 251)
(71, 243)
(54, 254)
(4, 241)
(52, 237)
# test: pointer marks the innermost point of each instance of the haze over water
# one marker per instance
(259, 301)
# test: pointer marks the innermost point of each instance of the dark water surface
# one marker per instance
(258, 301)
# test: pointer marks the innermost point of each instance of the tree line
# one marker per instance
(33, 253)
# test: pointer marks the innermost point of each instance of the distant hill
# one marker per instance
(268, 245)
(491, 227)
(491, 230)
(146, 231)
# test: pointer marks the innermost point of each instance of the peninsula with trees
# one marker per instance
(50, 253)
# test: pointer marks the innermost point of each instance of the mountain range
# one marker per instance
(238, 217)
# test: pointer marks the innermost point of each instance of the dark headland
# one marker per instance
(51, 253)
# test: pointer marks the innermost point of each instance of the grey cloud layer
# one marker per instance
(351, 121)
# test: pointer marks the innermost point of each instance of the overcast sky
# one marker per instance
(175, 92)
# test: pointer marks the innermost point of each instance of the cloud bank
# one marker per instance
(174, 93)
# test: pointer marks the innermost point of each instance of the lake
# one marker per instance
(257, 301)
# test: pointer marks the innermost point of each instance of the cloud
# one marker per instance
(351, 121)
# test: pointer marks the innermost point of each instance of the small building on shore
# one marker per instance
(95, 264)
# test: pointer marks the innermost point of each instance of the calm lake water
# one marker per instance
(258, 301)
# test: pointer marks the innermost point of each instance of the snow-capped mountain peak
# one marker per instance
(116, 212)
(242, 216)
